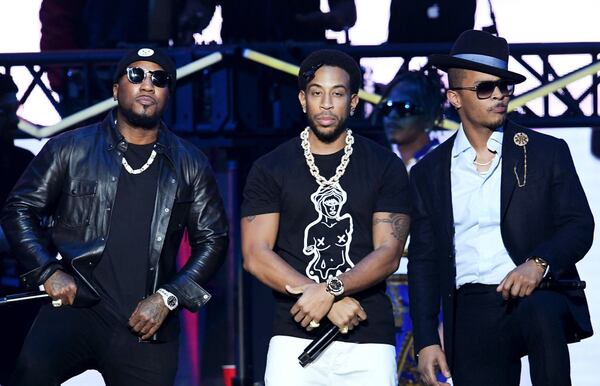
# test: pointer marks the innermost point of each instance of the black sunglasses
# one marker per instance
(485, 89)
(402, 108)
(159, 78)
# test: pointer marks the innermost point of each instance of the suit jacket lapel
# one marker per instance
(511, 158)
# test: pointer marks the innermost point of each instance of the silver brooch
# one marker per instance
(521, 139)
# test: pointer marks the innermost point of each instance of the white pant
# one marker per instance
(341, 364)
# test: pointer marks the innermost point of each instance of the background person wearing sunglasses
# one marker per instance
(497, 209)
(410, 106)
(120, 192)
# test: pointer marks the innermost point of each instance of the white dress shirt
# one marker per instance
(480, 253)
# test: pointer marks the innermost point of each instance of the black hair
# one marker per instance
(7, 85)
(455, 77)
(329, 57)
(431, 90)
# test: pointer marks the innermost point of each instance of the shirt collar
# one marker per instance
(462, 144)
(432, 144)
(495, 141)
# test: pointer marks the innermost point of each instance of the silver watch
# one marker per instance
(170, 300)
(335, 286)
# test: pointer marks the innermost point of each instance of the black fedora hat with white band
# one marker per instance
(478, 51)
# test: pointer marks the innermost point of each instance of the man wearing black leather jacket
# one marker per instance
(120, 194)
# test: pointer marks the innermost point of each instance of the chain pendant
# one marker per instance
(145, 166)
(310, 159)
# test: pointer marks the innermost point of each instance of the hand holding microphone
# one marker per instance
(61, 287)
(345, 314)
(316, 347)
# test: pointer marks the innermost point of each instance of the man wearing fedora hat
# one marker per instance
(120, 193)
(499, 220)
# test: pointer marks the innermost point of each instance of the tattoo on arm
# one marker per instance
(250, 218)
(399, 224)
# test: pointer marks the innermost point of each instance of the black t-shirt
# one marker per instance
(121, 273)
(325, 231)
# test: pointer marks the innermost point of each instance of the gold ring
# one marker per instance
(57, 303)
(344, 330)
(313, 324)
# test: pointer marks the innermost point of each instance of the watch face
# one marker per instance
(335, 286)
(172, 301)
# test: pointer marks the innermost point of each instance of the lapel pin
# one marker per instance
(521, 139)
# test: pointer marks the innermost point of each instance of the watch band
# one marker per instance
(541, 263)
(169, 299)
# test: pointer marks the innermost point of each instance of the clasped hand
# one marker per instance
(315, 302)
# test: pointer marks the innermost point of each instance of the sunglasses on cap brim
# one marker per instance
(485, 90)
(402, 108)
(159, 78)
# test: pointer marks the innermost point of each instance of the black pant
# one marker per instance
(65, 341)
(491, 335)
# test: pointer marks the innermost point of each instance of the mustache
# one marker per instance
(325, 115)
(147, 96)
(505, 105)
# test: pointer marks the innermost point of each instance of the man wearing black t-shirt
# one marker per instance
(324, 224)
(120, 194)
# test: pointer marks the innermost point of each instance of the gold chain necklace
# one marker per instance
(484, 163)
(310, 160)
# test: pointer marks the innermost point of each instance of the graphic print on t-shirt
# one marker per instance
(327, 239)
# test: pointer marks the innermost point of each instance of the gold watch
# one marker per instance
(543, 264)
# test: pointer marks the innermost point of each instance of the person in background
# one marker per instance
(429, 21)
(410, 108)
(278, 21)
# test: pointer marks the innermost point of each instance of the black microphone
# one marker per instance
(562, 284)
(320, 343)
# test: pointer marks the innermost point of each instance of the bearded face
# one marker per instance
(141, 104)
(328, 101)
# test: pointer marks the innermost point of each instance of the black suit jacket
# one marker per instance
(549, 217)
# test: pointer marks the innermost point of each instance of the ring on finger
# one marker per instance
(344, 330)
(57, 303)
(313, 324)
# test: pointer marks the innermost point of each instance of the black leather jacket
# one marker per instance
(74, 180)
